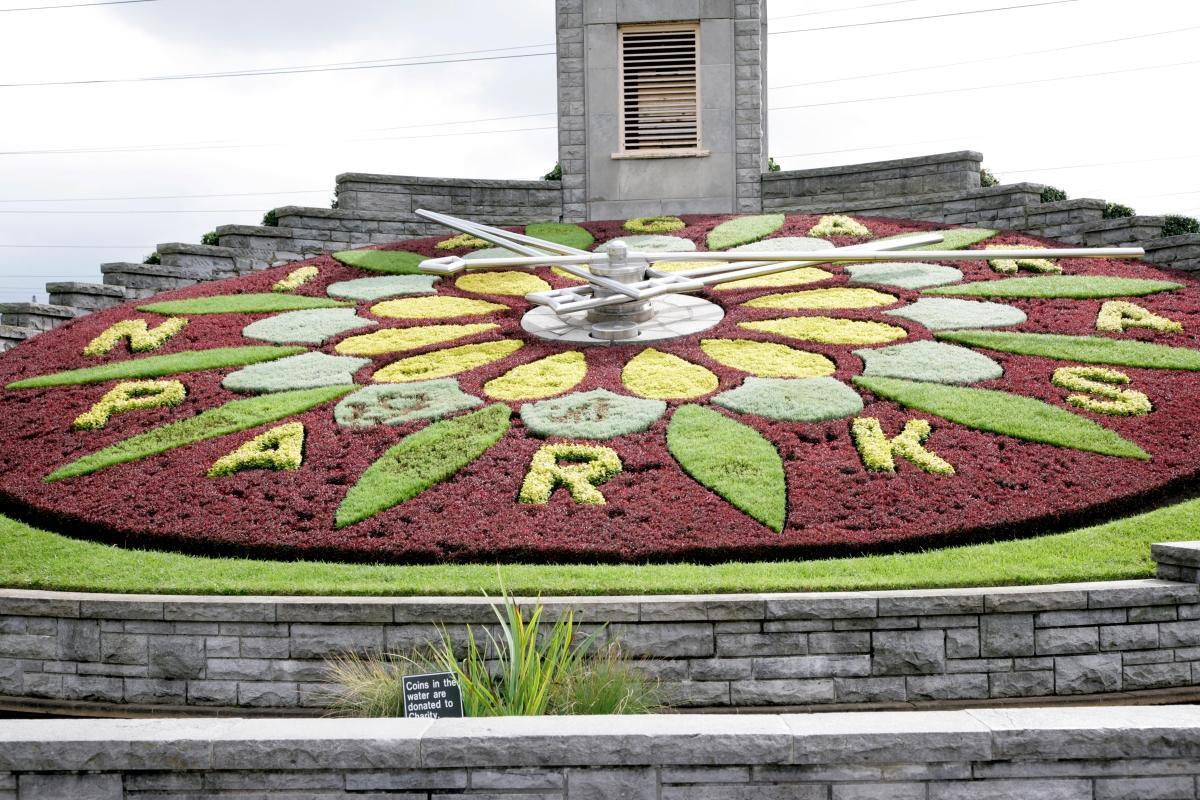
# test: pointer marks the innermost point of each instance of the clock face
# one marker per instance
(353, 408)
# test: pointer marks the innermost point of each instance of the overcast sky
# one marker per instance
(284, 137)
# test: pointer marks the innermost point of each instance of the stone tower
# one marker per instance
(661, 106)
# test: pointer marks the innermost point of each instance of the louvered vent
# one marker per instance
(659, 88)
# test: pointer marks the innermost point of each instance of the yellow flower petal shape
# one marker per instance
(778, 280)
(434, 308)
(562, 273)
(829, 330)
(767, 359)
(545, 377)
(516, 284)
(662, 376)
(444, 363)
(397, 340)
(840, 297)
(682, 266)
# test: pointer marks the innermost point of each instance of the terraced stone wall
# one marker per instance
(1032, 754)
(713, 651)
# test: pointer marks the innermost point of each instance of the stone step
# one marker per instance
(217, 262)
(1176, 252)
(277, 245)
(39, 316)
(85, 296)
(1123, 231)
(144, 280)
(13, 335)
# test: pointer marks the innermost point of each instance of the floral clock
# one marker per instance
(351, 407)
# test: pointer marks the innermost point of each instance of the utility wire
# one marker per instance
(850, 8)
(81, 246)
(158, 197)
(283, 71)
(150, 211)
(77, 5)
(175, 148)
(1096, 164)
(1004, 57)
(988, 86)
(917, 19)
(234, 142)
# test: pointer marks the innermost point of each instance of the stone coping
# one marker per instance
(848, 737)
(467, 183)
(874, 166)
(611, 608)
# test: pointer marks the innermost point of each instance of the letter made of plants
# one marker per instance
(398, 404)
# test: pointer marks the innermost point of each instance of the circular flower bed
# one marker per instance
(349, 407)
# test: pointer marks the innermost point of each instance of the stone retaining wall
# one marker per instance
(834, 187)
(709, 651)
(496, 202)
(1030, 754)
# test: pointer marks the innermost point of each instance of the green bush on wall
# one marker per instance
(1052, 194)
(1176, 225)
(270, 219)
(153, 258)
(986, 178)
(1117, 211)
(210, 238)
(554, 174)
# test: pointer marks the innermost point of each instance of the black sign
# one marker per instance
(432, 696)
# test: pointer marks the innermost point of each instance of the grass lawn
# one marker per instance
(36, 559)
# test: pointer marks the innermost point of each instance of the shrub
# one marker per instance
(1175, 225)
(773, 165)
(210, 238)
(520, 670)
(333, 202)
(986, 178)
(1052, 194)
(1117, 211)
(153, 258)
(270, 219)
(554, 174)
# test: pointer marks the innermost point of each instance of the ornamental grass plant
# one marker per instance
(527, 666)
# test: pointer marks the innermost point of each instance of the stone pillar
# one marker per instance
(1177, 561)
(724, 173)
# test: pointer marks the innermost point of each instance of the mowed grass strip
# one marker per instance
(36, 559)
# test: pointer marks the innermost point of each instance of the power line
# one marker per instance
(851, 8)
(281, 71)
(983, 60)
(872, 147)
(158, 197)
(175, 148)
(81, 246)
(988, 86)
(150, 211)
(1096, 164)
(917, 19)
(77, 5)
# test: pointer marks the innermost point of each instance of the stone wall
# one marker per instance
(830, 188)
(377, 209)
(1030, 754)
(495, 202)
(813, 649)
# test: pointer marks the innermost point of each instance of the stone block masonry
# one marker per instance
(893, 649)
(1031, 754)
